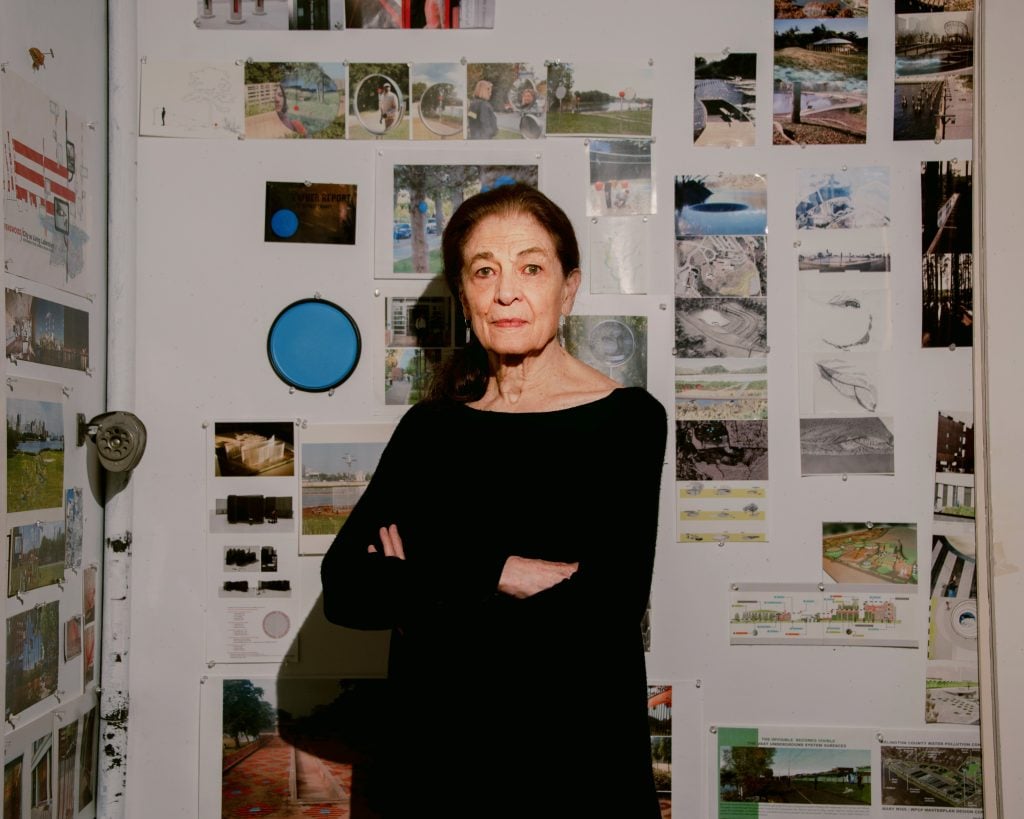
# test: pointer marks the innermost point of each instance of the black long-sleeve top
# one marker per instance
(544, 699)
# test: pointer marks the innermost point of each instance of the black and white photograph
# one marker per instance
(614, 345)
(716, 327)
(855, 445)
(712, 450)
(845, 251)
(714, 265)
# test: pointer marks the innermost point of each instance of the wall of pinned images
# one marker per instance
(812, 535)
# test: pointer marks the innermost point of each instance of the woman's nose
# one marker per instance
(507, 289)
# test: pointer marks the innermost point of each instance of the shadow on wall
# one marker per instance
(307, 743)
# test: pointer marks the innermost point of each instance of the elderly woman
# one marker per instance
(507, 540)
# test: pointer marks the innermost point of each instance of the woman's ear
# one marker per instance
(569, 289)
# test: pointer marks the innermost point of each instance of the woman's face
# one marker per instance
(514, 290)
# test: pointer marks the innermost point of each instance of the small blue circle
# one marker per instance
(422, 206)
(284, 223)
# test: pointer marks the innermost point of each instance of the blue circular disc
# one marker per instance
(313, 345)
(284, 223)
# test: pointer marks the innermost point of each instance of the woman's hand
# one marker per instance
(391, 541)
(524, 577)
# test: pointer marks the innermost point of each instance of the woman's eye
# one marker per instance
(483, 272)
(532, 269)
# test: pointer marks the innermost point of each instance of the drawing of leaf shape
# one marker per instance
(849, 381)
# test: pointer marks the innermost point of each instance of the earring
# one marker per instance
(469, 331)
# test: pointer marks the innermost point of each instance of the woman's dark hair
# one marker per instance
(464, 376)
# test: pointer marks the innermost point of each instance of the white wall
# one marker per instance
(208, 288)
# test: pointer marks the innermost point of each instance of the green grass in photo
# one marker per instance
(25, 578)
(604, 122)
(35, 481)
(434, 263)
(323, 524)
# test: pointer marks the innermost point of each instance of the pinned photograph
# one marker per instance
(848, 251)
(613, 345)
(724, 99)
(46, 332)
(32, 653)
(799, 9)
(338, 462)
(600, 99)
(36, 556)
(87, 758)
(256, 513)
(73, 525)
(425, 196)
(721, 328)
(722, 512)
(418, 321)
(821, 81)
(294, 100)
(374, 13)
(947, 261)
(717, 265)
(35, 455)
(933, 97)
(921, 6)
(44, 189)
(845, 320)
(89, 653)
(828, 776)
(507, 100)
(254, 448)
(723, 203)
(621, 182)
(724, 389)
(318, 212)
(870, 552)
(619, 256)
(327, 728)
(89, 577)
(842, 383)
(438, 108)
(721, 450)
(847, 446)
(843, 198)
(933, 777)
(955, 497)
(407, 371)
(13, 787)
(67, 751)
(72, 637)
(659, 723)
(380, 101)
(191, 100)
(271, 15)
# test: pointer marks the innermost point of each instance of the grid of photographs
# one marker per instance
(721, 344)
(253, 596)
(399, 100)
(845, 321)
(335, 15)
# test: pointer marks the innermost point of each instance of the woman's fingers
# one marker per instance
(392, 542)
